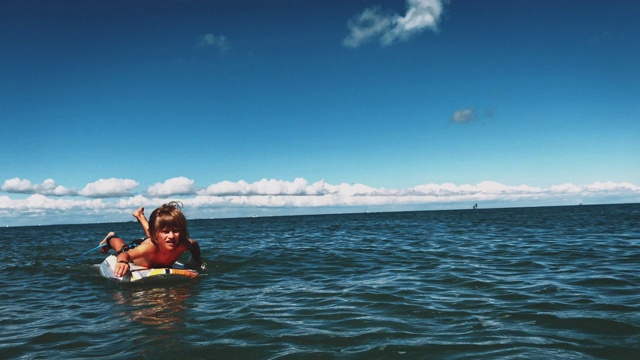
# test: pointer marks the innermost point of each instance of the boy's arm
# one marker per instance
(194, 248)
(124, 258)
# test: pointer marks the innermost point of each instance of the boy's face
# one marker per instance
(168, 238)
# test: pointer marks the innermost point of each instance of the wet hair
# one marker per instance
(168, 216)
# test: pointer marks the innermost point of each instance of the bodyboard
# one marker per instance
(140, 273)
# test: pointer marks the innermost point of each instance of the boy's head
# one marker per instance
(168, 216)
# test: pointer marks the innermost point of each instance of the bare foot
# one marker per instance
(105, 249)
(138, 213)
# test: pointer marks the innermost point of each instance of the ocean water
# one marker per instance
(524, 283)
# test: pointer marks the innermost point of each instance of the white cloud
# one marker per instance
(263, 187)
(299, 187)
(278, 187)
(366, 26)
(374, 23)
(17, 185)
(216, 42)
(611, 187)
(225, 188)
(24, 186)
(175, 186)
(463, 116)
(483, 190)
(49, 187)
(346, 190)
(41, 205)
(108, 188)
(134, 202)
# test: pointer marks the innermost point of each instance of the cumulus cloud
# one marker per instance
(105, 188)
(24, 186)
(176, 186)
(374, 23)
(17, 185)
(215, 42)
(299, 186)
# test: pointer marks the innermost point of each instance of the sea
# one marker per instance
(511, 283)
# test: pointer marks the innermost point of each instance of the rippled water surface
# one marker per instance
(529, 283)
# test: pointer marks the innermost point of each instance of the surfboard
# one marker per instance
(140, 273)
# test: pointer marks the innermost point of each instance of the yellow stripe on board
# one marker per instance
(146, 273)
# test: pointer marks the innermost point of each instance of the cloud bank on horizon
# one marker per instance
(114, 197)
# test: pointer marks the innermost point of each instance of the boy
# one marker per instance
(168, 238)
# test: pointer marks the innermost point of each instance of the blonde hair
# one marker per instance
(168, 216)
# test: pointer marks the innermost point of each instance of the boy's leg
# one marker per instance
(139, 215)
(114, 241)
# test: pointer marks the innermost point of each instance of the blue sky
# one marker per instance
(247, 107)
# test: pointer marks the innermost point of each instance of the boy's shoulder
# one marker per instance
(146, 246)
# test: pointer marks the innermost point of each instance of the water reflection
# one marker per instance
(157, 306)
